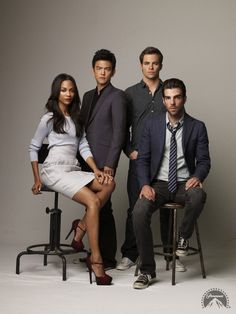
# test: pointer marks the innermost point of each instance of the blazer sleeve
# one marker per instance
(202, 156)
(144, 157)
(118, 116)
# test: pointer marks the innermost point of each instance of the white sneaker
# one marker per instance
(182, 249)
(143, 281)
(179, 266)
(125, 263)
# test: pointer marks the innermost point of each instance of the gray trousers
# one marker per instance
(193, 200)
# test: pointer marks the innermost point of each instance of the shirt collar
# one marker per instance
(144, 85)
(181, 120)
(101, 91)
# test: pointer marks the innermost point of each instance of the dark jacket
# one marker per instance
(152, 145)
(105, 126)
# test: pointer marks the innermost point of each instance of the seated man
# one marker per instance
(173, 162)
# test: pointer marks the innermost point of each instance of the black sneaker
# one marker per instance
(144, 281)
(182, 249)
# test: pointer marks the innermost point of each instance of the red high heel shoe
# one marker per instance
(102, 280)
(77, 245)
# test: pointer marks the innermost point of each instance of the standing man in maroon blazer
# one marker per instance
(103, 113)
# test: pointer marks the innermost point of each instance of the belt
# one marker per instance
(156, 180)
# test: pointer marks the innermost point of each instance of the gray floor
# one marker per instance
(39, 289)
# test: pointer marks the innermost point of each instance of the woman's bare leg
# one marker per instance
(93, 204)
(81, 229)
(103, 191)
(94, 197)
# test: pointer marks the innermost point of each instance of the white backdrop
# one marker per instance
(40, 39)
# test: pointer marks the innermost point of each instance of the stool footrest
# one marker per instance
(191, 250)
(194, 250)
(48, 250)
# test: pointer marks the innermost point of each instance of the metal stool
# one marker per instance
(171, 255)
(54, 247)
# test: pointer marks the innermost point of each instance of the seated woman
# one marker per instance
(61, 172)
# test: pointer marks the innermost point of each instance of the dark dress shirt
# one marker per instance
(141, 104)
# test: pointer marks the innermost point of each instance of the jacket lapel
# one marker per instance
(162, 133)
(100, 102)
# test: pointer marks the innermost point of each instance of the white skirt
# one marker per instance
(61, 171)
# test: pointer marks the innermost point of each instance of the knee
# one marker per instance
(112, 185)
(196, 195)
(109, 187)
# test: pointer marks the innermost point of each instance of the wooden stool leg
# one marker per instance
(174, 245)
(170, 238)
(200, 251)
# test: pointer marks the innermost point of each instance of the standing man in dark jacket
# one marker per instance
(103, 113)
(144, 100)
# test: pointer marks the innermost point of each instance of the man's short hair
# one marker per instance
(174, 83)
(104, 54)
(150, 51)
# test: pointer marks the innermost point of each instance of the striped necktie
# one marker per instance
(172, 176)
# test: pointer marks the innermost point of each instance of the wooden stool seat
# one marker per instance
(172, 206)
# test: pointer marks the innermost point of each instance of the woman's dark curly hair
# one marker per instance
(73, 110)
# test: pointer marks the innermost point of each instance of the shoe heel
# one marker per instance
(90, 276)
(72, 228)
(100, 281)
(74, 225)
